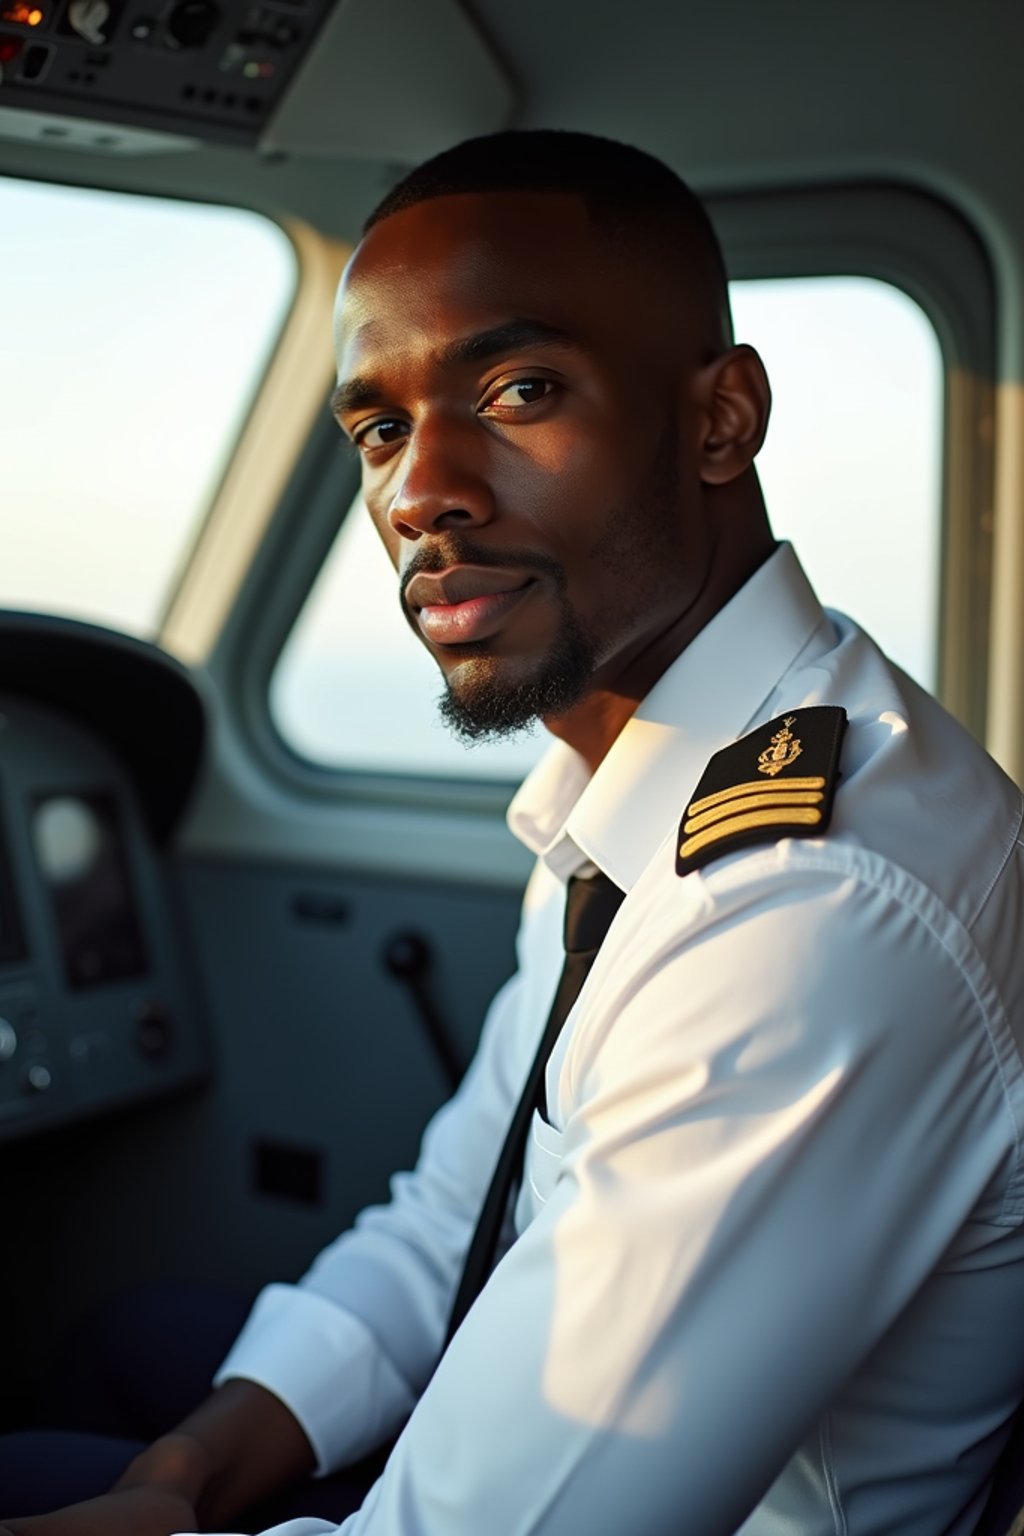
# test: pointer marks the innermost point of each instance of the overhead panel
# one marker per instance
(196, 69)
(350, 77)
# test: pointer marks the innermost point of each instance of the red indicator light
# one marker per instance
(10, 47)
(22, 13)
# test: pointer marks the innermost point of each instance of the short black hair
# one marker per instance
(631, 197)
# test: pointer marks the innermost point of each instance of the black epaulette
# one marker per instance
(780, 781)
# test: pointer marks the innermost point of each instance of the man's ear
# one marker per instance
(734, 402)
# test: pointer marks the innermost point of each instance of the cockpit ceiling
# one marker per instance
(735, 95)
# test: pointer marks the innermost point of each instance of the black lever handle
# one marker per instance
(409, 958)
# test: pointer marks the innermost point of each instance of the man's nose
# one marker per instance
(442, 487)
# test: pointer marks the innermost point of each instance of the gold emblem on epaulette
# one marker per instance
(729, 810)
(785, 749)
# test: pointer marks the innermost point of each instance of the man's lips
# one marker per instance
(465, 603)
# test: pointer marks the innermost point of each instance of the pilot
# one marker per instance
(725, 1226)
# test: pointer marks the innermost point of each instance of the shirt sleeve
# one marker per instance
(349, 1348)
(779, 1120)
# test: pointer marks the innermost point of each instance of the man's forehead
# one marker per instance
(435, 226)
(497, 252)
(461, 264)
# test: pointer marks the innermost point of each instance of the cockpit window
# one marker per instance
(135, 334)
(851, 471)
(852, 465)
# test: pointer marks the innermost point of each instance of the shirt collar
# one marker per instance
(712, 692)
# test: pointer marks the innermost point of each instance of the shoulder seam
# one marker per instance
(1014, 839)
(828, 1469)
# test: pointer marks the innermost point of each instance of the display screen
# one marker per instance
(12, 934)
(81, 856)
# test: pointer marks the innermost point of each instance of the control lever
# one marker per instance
(89, 19)
(409, 957)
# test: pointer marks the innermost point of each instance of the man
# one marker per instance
(768, 1234)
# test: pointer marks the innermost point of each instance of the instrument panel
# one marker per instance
(212, 69)
(98, 1007)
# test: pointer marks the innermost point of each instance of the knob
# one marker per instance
(407, 955)
(153, 1030)
(8, 1040)
(37, 1079)
(192, 23)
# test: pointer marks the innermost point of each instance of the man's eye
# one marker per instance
(521, 392)
(379, 434)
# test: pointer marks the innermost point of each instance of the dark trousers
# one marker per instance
(132, 1372)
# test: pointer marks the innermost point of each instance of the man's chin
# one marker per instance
(481, 702)
(489, 698)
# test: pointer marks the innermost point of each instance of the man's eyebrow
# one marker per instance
(353, 395)
(511, 336)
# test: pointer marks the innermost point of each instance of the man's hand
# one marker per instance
(239, 1446)
(133, 1512)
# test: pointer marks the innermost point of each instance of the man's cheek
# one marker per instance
(388, 537)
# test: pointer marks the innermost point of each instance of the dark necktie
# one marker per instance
(590, 906)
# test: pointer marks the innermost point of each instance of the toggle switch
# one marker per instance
(37, 1078)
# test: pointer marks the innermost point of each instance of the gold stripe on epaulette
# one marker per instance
(751, 787)
(751, 803)
(783, 816)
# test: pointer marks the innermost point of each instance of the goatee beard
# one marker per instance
(486, 706)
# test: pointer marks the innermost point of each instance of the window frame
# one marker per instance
(897, 234)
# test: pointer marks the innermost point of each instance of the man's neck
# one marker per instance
(617, 690)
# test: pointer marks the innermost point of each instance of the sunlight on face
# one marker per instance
(851, 472)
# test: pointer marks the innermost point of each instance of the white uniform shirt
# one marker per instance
(769, 1271)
